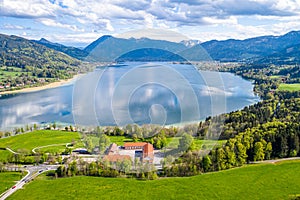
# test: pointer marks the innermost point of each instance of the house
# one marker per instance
(116, 158)
(147, 150)
(112, 149)
(134, 145)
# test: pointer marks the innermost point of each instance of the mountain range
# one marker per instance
(71, 51)
(264, 49)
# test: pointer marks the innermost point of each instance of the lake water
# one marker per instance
(141, 93)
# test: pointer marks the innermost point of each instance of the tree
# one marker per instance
(230, 157)
(241, 153)
(126, 165)
(206, 163)
(134, 137)
(186, 142)
(259, 153)
(104, 141)
(268, 151)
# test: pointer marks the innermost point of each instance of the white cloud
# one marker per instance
(27, 9)
(200, 19)
(13, 27)
(51, 22)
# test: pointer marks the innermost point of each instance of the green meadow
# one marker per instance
(29, 141)
(8, 179)
(261, 181)
(289, 87)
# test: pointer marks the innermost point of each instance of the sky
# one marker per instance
(79, 22)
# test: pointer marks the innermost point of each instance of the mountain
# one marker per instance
(71, 51)
(94, 44)
(149, 54)
(108, 48)
(289, 55)
(36, 60)
(245, 50)
(195, 53)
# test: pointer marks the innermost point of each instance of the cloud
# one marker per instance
(27, 9)
(108, 16)
(251, 7)
(51, 22)
(13, 27)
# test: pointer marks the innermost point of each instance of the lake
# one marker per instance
(142, 93)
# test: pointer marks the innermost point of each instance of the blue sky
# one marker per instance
(79, 22)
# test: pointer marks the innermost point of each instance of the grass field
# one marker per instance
(28, 141)
(4, 155)
(275, 77)
(174, 142)
(264, 181)
(289, 87)
(55, 149)
(8, 180)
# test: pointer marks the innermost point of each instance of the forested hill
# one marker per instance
(71, 51)
(23, 62)
(19, 52)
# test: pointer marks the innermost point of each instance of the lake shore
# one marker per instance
(43, 87)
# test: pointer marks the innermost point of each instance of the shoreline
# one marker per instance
(43, 87)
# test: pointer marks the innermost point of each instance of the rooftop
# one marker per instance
(135, 144)
(116, 157)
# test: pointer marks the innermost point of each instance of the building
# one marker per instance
(116, 158)
(112, 149)
(134, 145)
(147, 150)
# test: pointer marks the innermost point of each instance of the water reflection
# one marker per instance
(116, 95)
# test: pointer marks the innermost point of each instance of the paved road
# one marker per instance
(32, 172)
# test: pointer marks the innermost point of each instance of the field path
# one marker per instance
(50, 145)
(275, 161)
(12, 151)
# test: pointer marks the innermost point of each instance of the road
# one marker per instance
(275, 161)
(51, 145)
(12, 151)
(32, 172)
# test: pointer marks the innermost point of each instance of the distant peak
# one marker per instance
(104, 37)
(43, 40)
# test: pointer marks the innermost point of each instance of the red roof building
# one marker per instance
(147, 148)
(134, 145)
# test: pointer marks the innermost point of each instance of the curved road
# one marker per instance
(32, 172)
(12, 151)
(50, 145)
